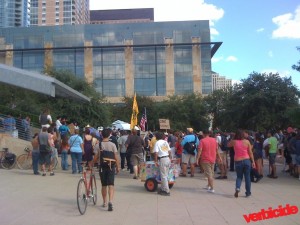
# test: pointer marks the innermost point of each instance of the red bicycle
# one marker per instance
(86, 188)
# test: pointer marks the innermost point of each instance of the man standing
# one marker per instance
(207, 152)
(222, 151)
(121, 141)
(162, 152)
(107, 173)
(189, 157)
(273, 143)
(135, 145)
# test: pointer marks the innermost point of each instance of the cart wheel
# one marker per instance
(151, 184)
(171, 185)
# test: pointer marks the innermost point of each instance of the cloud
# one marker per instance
(231, 59)
(270, 54)
(217, 59)
(260, 30)
(288, 25)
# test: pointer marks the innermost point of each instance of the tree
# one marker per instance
(297, 66)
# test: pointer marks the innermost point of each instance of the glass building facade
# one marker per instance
(156, 59)
(14, 13)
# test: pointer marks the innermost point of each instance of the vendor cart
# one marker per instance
(150, 174)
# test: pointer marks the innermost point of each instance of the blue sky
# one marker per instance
(257, 35)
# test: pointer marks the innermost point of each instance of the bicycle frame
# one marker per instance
(87, 183)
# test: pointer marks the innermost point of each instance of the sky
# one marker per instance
(258, 35)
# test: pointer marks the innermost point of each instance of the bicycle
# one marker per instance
(7, 159)
(86, 189)
(24, 161)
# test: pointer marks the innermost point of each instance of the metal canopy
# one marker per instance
(39, 83)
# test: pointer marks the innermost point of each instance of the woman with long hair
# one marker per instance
(243, 158)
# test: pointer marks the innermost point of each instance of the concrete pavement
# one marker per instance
(27, 199)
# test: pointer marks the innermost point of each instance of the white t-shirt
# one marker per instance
(162, 148)
(219, 140)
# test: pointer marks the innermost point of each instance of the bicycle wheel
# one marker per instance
(8, 163)
(94, 189)
(24, 161)
(81, 197)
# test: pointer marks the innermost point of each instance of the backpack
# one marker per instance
(224, 143)
(107, 158)
(190, 147)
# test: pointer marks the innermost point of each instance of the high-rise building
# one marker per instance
(59, 12)
(220, 82)
(14, 13)
(122, 16)
(156, 59)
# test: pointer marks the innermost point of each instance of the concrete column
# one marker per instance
(88, 62)
(48, 61)
(9, 55)
(197, 68)
(129, 69)
(170, 80)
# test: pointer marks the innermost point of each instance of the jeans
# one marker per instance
(64, 159)
(243, 168)
(76, 161)
(123, 157)
(129, 166)
(164, 166)
(35, 162)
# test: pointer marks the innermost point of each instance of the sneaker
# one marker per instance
(104, 205)
(236, 194)
(207, 187)
(258, 179)
(52, 174)
(248, 195)
(182, 175)
(37, 173)
(110, 206)
(124, 169)
(211, 190)
(44, 174)
(159, 191)
(135, 177)
(164, 193)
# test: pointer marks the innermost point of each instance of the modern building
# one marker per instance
(220, 82)
(14, 13)
(157, 59)
(122, 16)
(59, 12)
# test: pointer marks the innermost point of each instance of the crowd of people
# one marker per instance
(212, 151)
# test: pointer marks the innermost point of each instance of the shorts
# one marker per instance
(208, 169)
(45, 158)
(223, 156)
(107, 176)
(272, 157)
(297, 160)
(188, 158)
(136, 159)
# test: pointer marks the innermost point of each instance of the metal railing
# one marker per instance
(17, 127)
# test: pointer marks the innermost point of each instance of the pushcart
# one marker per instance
(150, 174)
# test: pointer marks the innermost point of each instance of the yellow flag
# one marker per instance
(135, 112)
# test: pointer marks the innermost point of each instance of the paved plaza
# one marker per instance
(27, 199)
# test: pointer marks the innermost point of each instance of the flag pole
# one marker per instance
(147, 120)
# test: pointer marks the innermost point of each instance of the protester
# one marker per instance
(243, 157)
(65, 147)
(207, 153)
(107, 173)
(189, 157)
(121, 141)
(35, 154)
(162, 154)
(45, 118)
(77, 150)
(135, 145)
(45, 150)
(272, 149)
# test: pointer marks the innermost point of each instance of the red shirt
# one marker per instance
(178, 148)
(209, 147)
